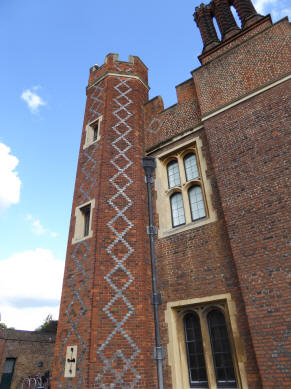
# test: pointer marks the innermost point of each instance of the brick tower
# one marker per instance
(105, 311)
(220, 204)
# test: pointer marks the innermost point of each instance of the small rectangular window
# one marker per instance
(92, 132)
(83, 224)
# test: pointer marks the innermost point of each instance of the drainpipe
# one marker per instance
(149, 165)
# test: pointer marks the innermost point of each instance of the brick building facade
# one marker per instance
(26, 354)
(220, 207)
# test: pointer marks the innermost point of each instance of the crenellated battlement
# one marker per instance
(134, 67)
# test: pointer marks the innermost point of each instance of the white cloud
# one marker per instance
(33, 100)
(38, 229)
(10, 182)
(278, 9)
(261, 5)
(27, 318)
(30, 288)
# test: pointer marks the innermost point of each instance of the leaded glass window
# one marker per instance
(196, 203)
(173, 174)
(177, 209)
(194, 349)
(221, 351)
(191, 169)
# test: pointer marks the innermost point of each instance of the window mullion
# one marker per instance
(187, 210)
(182, 170)
(207, 352)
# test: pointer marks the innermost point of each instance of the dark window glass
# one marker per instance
(95, 132)
(191, 168)
(173, 174)
(221, 351)
(7, 373)
(194, 349)
(177, 209)
(196, 203)
(86, 214)
(9, 365)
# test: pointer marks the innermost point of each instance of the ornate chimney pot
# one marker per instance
(203, 18)
(225, 20)
(246, 12)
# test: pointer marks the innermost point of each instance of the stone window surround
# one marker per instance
(177, 355)
(89, 138)
(178, 152)
(80, 220)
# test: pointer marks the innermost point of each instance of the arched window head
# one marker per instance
(177, 209)
(196, 202)
(173, 174)
(190, 164)
(194, 349)
(221, 351)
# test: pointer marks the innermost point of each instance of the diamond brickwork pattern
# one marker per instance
(125, 376)
(78, 281)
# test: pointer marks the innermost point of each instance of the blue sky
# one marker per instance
(47, 48)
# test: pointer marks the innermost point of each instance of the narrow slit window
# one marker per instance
(177, 208)
(221, 352)
(95, 132)
(194, 349)
(173, 174)
(191, 169)
(86, 215)
(196, 203)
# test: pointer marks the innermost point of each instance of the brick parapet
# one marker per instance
(134, 66)
(162, 124)
(29, 336)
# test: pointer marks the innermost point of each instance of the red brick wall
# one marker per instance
(199, 263)
(28, 348)
(249, 150)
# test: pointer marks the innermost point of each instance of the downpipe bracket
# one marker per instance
(159, 353)
(152, 230)
(156, 299)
